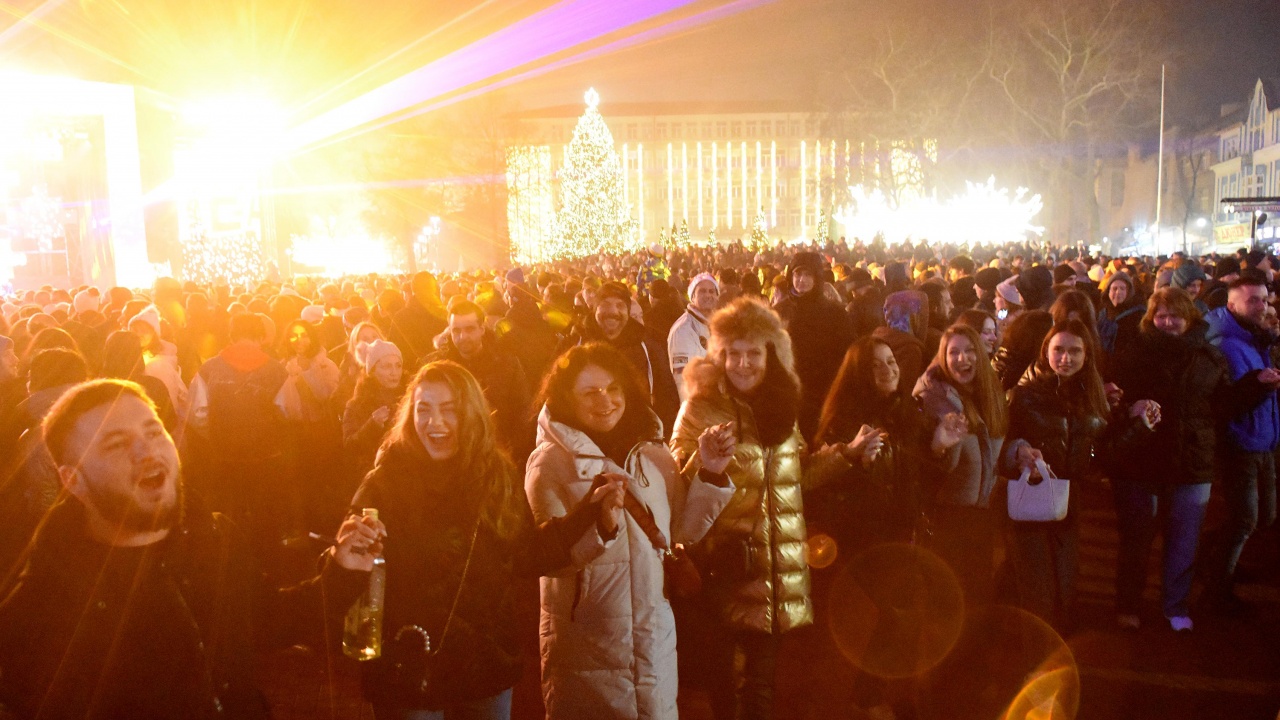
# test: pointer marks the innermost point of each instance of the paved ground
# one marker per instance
(1226, 668)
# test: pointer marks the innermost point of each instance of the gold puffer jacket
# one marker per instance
(766, 509)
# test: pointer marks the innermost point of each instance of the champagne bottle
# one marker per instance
(362, 630)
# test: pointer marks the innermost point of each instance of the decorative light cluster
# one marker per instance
(234, 258)
(593, 217)
(984, 214)
(530, 209)
(41, 218)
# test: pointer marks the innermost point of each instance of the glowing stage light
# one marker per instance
(983, 214)
(355, 251)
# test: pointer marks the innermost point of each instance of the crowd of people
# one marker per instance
(659, 437)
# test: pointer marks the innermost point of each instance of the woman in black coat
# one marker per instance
(1172, 363)
(458, 530)
(878, 500)
(1059, 414)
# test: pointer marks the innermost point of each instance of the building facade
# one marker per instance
(716, 167)
(1248, 143)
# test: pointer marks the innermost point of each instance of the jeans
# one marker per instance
(1045, 557)
(497, 707)
(965, 539)
(755, 700)
(1137, 510)
(1249, 485)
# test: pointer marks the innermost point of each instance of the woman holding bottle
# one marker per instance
(457, 532)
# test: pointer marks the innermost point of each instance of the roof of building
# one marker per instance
(658, 109)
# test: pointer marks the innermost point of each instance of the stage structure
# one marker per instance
(71, 203)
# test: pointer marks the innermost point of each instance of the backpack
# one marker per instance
(1108, 329)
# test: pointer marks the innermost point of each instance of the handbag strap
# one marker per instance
(475, 533)
(644, 518)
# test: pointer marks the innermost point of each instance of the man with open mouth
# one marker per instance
(134, 601)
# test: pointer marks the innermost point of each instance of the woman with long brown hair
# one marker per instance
(1059, 415)
(960, 392)
(458, 531)
(608, 630)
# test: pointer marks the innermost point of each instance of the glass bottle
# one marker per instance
(362, 630)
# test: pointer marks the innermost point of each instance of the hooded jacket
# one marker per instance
(906, 328)
(1254, 428)
(765, 518)
(607, 631)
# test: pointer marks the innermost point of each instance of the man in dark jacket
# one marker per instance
(134, 603)
(611, 323)
(501, 377)
(820, 331)
(415, 328)
(237, 413)
(1253, 434)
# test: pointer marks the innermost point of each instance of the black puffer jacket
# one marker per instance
(1190, 380)
(1050, 415)
(820, 333)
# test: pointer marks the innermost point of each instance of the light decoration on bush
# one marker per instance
(983, 214)
(593, 216)
(231, 257)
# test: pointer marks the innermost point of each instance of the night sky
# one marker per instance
(773, 51)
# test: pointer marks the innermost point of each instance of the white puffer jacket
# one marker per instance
(607, 634)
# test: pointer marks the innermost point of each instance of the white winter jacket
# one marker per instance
(607, 634)
(687, 340)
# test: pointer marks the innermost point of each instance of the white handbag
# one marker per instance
(1045, 501)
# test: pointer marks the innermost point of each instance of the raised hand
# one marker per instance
(950, 431)
(716, 446)
(608, 499)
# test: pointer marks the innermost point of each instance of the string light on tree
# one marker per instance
(760, 231)
(682, 235)
(593, 217)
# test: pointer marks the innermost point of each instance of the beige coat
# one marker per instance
(607, 633)
(767, 509)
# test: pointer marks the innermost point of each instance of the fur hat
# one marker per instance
(370, 353)
(745, 318)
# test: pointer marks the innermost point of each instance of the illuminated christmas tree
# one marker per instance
(593, 216)
(760, 231)
(682, 235)
(824, 228)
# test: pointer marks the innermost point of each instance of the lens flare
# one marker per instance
(1007, 664)
(896, 610)
(820, 551)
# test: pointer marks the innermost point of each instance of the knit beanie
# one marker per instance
(313, 314)
(988, 278)
(370, 353)
(149, 315)
(614, 290)
(1186, 273)
(701, 278)
(84, 302)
